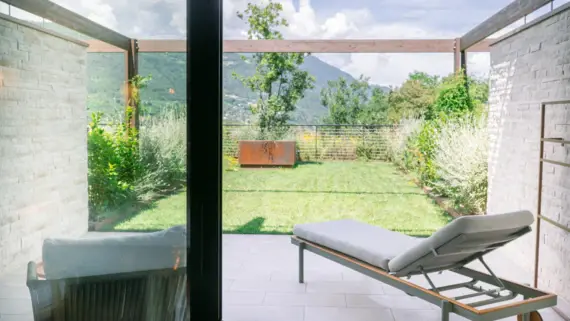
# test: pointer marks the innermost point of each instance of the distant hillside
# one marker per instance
(106, 74)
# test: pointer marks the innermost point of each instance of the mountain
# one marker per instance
(309, 109)
(168, 71)
(106, 72)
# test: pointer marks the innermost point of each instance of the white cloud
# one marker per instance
(338, 26)
(383, 69)
(302, 21)
(305, 22)
(100, 12)
(178, 19)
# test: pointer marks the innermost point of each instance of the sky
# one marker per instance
(325, 19)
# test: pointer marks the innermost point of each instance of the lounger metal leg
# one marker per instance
(526, 316)
(501, 285)
(433, 287)
(301, 262)
(445, 310)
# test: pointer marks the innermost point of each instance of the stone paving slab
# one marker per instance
(260, 284)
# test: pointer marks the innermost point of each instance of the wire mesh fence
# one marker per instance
(321, 142)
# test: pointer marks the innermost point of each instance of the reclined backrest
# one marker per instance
(462, 241)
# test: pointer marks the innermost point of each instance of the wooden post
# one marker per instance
(460, 60)
(456, 55)
(459, 57)
(131, 69)
(463, 56)
(539, 204)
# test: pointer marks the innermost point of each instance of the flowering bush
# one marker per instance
(460, 159)
(450, 156)
(162, 154)
(399, 143)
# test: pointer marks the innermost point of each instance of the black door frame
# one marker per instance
(204, 146)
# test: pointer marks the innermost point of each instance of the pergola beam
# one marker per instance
(340, 46)
(313, 46)
(67, 18)
(505, 17)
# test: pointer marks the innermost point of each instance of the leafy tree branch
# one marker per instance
(278, 80)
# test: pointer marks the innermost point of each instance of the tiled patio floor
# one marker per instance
(260, 283)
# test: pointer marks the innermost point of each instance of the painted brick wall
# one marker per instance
(43, 142)
(528, 67)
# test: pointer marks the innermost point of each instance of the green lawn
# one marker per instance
(274, 200)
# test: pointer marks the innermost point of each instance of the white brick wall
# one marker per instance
(530, 66)
(43, 143)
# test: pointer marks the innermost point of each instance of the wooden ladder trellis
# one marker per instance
(542, 160)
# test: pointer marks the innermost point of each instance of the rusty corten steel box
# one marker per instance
(267, 152)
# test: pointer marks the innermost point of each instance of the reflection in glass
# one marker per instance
(85, 234)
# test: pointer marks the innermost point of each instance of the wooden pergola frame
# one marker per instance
(111, 41)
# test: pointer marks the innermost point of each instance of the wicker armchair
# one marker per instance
(147, 283)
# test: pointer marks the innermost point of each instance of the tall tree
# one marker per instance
(354, 103)
(452, 98)
(425, 79)
(411, 100)
(344, 101)
(278, 79)
(376, 110)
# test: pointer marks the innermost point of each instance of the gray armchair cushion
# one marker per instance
(77, 257)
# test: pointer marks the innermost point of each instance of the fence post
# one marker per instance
(364, 145)
(316, 141)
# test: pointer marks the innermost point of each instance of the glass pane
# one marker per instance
(92, 203)
(362, 151)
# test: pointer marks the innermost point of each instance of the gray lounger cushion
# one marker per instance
(371, 244)
(103, 255)
(403, 255)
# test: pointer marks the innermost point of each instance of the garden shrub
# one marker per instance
(334, 145)
(418, 151)
(452, 98)
(452, 101)
(162, 154)
(113, 164)
(365, 151)
(426, 142)
(306, 143)
(461, 160)
(373, 145)
(230, 164)
(399, 140)
(448, 149)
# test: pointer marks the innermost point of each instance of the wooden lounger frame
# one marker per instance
(533, 299)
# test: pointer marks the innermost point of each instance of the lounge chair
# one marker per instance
(139, 277)
(390, 257)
